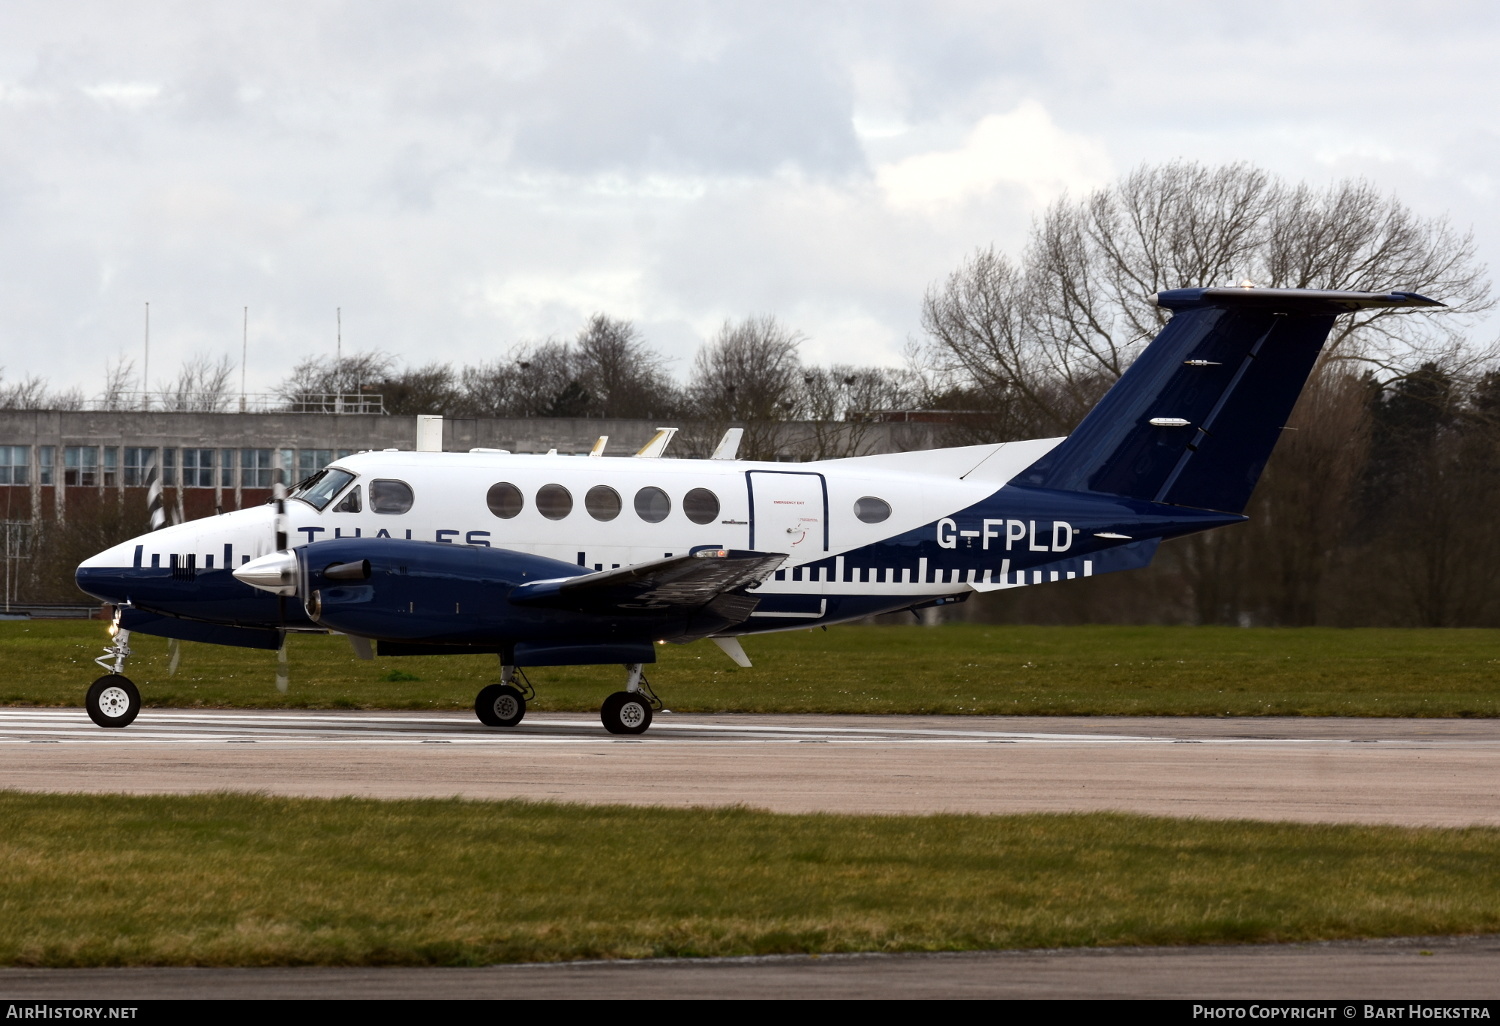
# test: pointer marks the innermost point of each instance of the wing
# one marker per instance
(717, 576)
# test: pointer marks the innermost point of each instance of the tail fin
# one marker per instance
(1193, 421)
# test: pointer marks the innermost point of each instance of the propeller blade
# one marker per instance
(283, 670)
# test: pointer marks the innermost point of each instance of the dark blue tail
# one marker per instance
(1194, 419)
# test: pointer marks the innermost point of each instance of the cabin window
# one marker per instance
(871, 510)
(701, 506)
(388, 496)
(652, 504)
(349, 503)
(318, 490)
(505, 500)
(553, 501)
(603, 502)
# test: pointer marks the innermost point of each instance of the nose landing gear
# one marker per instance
(113, 700)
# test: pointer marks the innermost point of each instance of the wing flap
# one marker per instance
(678, 582)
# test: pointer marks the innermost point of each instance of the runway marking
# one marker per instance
(176, 727)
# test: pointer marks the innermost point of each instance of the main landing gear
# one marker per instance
(504, 704)
(113, 700)
(629, 711)
(624, 712)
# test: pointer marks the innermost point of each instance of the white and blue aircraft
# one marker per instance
(558, 560)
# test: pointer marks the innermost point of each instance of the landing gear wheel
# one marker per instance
(112, 701)
(626, 712)
(500, 705)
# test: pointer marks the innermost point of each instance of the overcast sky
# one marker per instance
(461, 177)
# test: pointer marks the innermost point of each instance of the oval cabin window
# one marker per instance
(602, 502)
(390, 496)
(872, 510)
(505, 500)
(701, 506)
(652, 504)
(553, 501)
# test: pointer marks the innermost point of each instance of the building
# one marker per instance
(215, 462)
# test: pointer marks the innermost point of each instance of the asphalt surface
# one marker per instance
(1411, 772)
(1433, 968)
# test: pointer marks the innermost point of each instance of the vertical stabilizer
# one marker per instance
(1193, 421)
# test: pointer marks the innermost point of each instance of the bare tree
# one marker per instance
(841, 404)
(119, 383)
(27, 394)
(622, 374)
(430, 389)
(1045, 337)
(749, 375)
(317, 377)
(202, 385)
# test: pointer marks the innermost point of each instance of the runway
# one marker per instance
(1448, 970)
(1411, 772)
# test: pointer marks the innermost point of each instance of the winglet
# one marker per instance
(598, 449)
(658, 444)
(729, 444)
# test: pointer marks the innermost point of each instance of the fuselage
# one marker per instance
(862, 535)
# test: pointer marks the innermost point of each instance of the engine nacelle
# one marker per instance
(442, 595)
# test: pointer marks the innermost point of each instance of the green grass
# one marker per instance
(961, 668)
(246, 880)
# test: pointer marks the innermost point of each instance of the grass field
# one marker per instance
(237, 880)
(959, 668)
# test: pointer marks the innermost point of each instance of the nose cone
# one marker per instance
(106, 576)
(275, 572)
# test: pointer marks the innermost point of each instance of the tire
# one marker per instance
(500, 705)
(626, 712)
(112, 701)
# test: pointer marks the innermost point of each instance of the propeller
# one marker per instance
(278, 499)
(158, 517)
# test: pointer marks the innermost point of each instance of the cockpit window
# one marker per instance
(349, 503)
(317, 490)
(388, 496)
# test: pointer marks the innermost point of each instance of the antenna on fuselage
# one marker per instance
(729, 444)
(658, 444)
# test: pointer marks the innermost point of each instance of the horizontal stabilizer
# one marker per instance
(1193, 421)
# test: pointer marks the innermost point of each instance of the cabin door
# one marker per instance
(788, 512)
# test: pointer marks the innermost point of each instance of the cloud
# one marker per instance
(465, 176)
(1024, 148)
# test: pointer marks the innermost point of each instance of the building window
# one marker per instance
(255, 468)
(15, 464)
(310, 461)
(287, 466)
(197, 468)
(169, 466)
(111, 466)
(226, 468)
(45, 454)
(137, 466)
(81, 466)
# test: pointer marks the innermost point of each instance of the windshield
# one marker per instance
(319, 489)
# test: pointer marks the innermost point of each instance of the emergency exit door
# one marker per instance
(788, 512)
